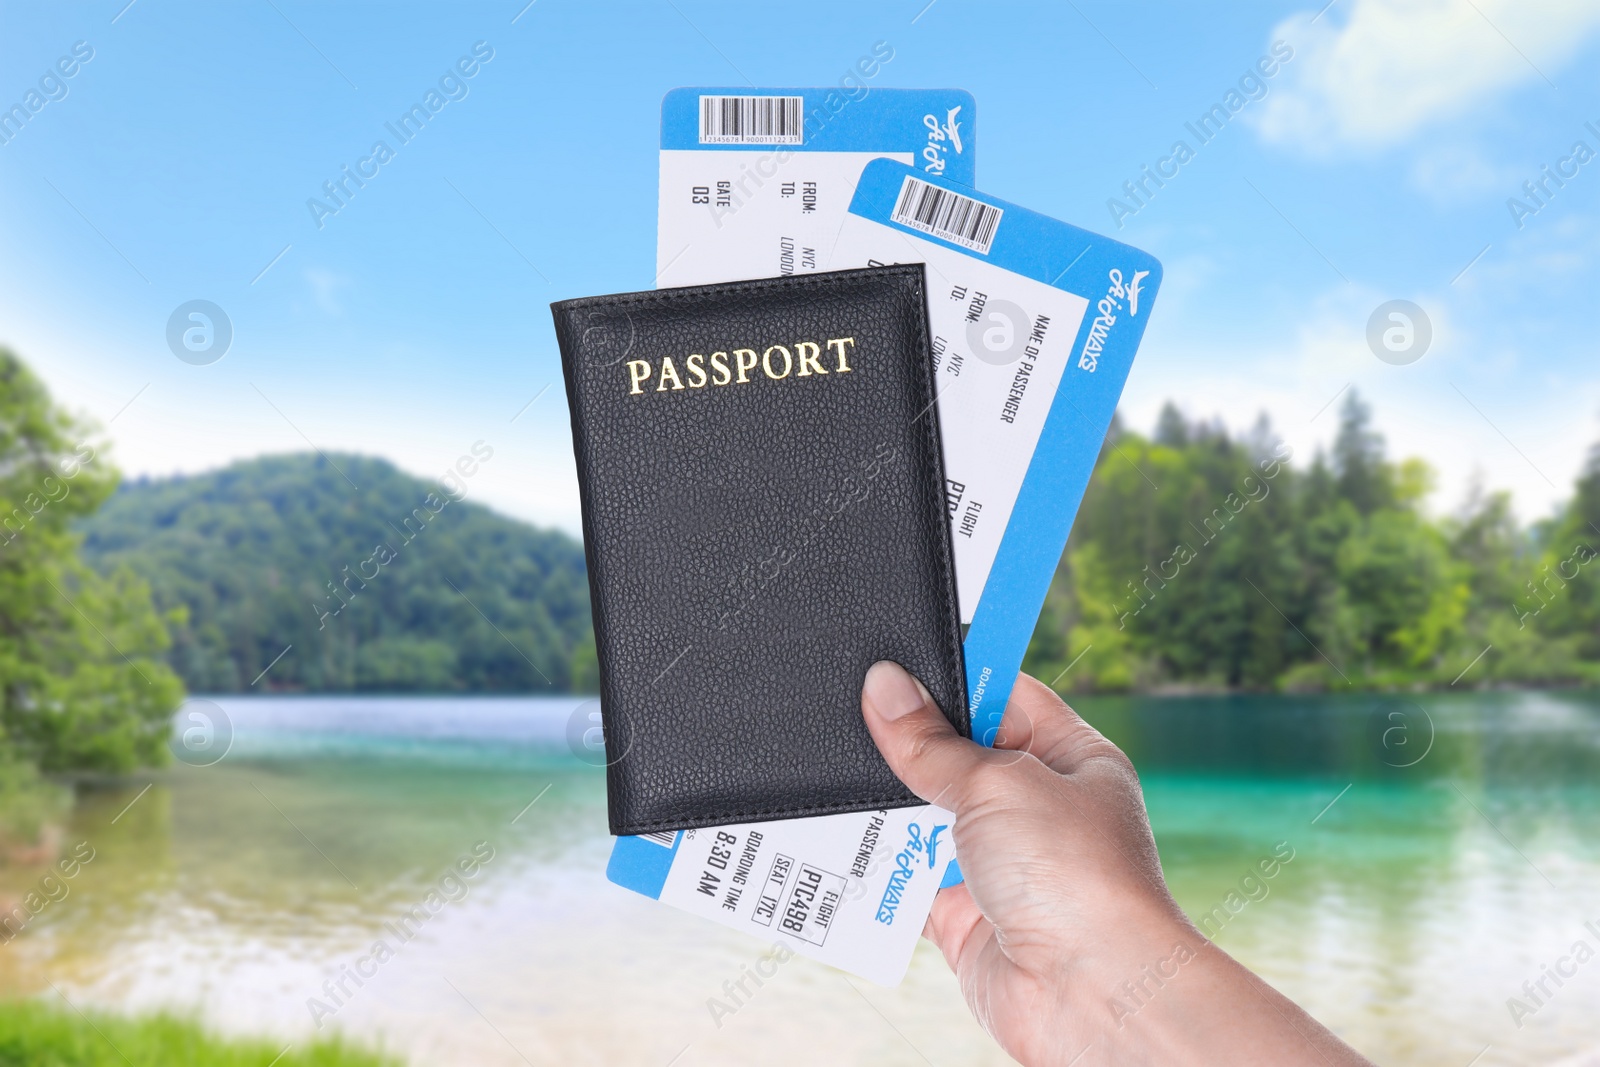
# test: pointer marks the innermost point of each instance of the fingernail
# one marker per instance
(891, 692)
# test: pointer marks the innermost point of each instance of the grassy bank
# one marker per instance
(34, 1034)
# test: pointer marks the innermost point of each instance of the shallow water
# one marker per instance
(1445, 848)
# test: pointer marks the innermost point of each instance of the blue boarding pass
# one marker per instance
(755, 182)
(1036, 324)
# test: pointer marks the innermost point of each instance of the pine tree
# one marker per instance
(1358, 463)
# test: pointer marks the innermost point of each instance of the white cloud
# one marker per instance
(1395, 66)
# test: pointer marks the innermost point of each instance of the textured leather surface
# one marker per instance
(754, 547)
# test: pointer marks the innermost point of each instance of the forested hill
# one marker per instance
(377, 579)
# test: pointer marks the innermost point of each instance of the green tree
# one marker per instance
(1199, 559)
(1559, 595)
(1363, 476)
(82, 682)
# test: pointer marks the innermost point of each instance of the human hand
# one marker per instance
(1064, 914)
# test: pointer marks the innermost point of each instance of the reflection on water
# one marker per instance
(1444, 849)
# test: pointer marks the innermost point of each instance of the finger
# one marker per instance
(951, 922)
(1039, 722)
(917, 741)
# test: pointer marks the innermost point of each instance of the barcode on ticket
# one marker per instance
(664, 838)
(752, 119)
(955, 218)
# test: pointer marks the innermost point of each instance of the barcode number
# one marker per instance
(951, 216)
(752, 119)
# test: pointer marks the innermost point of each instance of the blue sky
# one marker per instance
(175, 164)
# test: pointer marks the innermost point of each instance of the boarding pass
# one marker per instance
(755, 182)
(1034, 326)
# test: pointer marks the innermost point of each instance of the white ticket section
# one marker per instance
(848, 890)
(1001, 344)
(730, 216)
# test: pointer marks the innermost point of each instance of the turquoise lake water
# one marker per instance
(1446, 848)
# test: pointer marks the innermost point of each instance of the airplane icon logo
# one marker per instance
(1133, 291)
(952, 128)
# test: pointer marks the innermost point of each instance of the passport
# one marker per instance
(764, 517)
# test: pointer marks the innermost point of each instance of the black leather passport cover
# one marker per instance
(763, 518)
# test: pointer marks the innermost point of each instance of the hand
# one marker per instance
(1066, 943)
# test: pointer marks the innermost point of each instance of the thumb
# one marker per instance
(917, 741)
